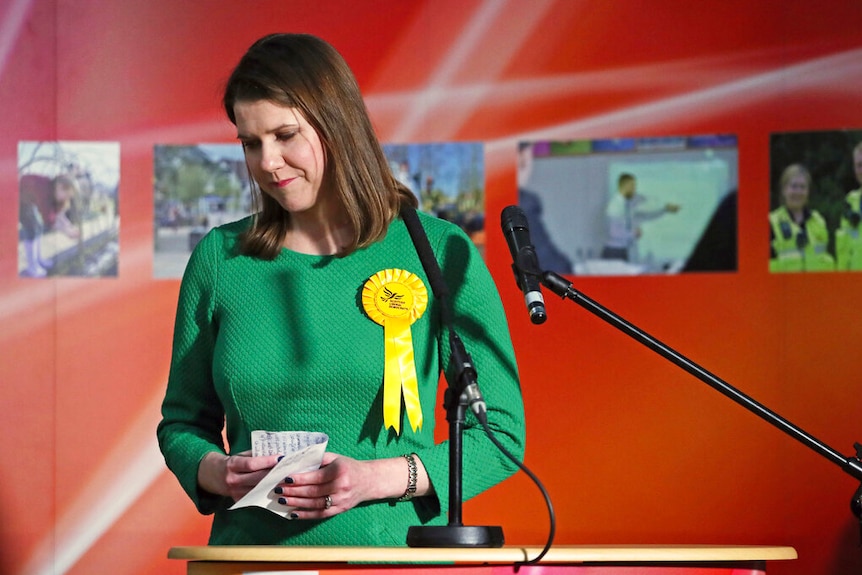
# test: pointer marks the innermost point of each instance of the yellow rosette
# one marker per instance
(396, 298)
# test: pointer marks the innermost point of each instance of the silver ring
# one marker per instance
(327, 502)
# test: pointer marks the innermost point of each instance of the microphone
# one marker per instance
(525, 262)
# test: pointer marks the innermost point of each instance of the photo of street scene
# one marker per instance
(196, 188)
(448, 179)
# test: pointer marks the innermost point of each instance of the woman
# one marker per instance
(798, 235)
(274, 330)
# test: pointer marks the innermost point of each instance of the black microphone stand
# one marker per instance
(461, 392)
(851, 465)
(456, 399)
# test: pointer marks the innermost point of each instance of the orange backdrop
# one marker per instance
(631, 448)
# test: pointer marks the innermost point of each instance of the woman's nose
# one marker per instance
(271, 159)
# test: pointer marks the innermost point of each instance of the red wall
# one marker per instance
(631, 448)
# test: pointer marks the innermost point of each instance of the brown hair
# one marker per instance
(70, 183)
(791, 172)
(304, 72)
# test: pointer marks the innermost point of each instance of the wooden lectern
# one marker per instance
(560, 560)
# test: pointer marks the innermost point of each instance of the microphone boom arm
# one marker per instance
(851, 465)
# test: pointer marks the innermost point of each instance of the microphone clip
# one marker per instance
(466, 376)
(525, 265)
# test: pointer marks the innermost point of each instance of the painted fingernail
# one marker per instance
(278, 490)
(294, 516)
(280, 457)
(288, 480)
(282, 500)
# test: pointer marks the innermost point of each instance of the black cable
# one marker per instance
(551, 515)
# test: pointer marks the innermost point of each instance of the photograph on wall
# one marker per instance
(447, 178)
(196, 188)
(631, 206)
(814, 203)
(68, 209)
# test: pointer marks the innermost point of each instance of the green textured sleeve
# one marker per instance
(192, 416)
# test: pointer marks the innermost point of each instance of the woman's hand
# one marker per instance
(233, 475)
(342, 483)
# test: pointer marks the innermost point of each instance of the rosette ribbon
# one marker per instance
(395, 299)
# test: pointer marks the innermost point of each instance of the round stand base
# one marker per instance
(454, 536)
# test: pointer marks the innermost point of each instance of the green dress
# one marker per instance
(285, 345)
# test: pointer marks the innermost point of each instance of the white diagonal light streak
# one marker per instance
(10, 26)
(123, 477)
(478, 31)
(820, 74)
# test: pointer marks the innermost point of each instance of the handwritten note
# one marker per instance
(283, 442)
(303, 451)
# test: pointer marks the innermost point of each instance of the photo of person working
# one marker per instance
(273, 330)
(637, 206)
(626, 211)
